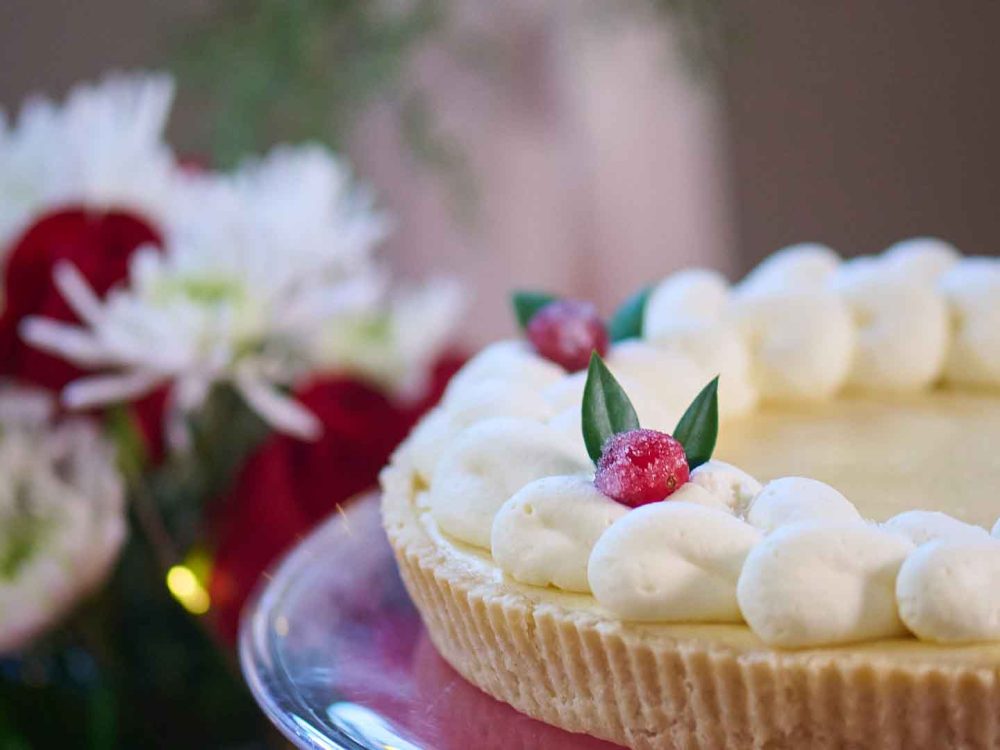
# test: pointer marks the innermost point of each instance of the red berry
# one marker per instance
(641, 466)
(566, 332)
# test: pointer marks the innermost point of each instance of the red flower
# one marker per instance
(98, 243)
(288, 485)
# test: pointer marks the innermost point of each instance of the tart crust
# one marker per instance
(558, 658)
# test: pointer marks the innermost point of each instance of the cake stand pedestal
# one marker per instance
(335, 654)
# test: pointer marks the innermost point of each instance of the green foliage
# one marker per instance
(698, 429)
(626, 323)
(223, 436)
(606, 408)
(20, 535)
(121, 427)
(131, 668)
(526, 304)
(702, 31)
(300, 69)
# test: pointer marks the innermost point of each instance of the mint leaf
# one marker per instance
(606, 408)
(626, 323)
(699, 427)
(526, 304)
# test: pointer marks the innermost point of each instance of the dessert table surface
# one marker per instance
(336, 655)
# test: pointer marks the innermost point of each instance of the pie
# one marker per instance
(753, 605)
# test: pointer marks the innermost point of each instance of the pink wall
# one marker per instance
(598, 162)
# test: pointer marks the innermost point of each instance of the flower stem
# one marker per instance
(151, 522)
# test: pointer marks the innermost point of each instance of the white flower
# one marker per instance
(62, 523)
(395, 346)
(298, 206)
(240, 294)
(102, 148)
(24, 406)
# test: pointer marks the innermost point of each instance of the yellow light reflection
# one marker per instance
(187, 589)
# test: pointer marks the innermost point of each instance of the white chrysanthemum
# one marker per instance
(395, 346)
(239, 295)
(62, 523)
(298, 205)
(24, 406)
(101, 148)
(198, 324)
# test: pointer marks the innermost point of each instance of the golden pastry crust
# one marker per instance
(558, 658)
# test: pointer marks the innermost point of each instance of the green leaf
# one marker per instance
(626, 323)
(606, 408)
(699, 427)
(123, 428)
(526, 304)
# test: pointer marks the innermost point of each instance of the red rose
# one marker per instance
(288, 485)
(98, 243)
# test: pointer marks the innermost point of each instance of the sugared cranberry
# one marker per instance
(566, 332)
(641, 466)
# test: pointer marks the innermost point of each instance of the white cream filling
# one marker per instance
(651, 412)
(671, 561)
(731, 485)
(923, 526)
(666, 378)
(901, 333)
(948, 591)
(803, 267)
(717, 348)
(921, 259)
(801, 343)
(473, 403)
(511, 361)
(791, 500)
(544, 533)
(507, 469)
(816, 584)
(488, 463)
(695, 295)
(972, 289)
(660, 383)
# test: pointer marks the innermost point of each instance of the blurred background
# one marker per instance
(581, 147)
(542, 144)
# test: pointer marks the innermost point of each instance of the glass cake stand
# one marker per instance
(335, 654)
